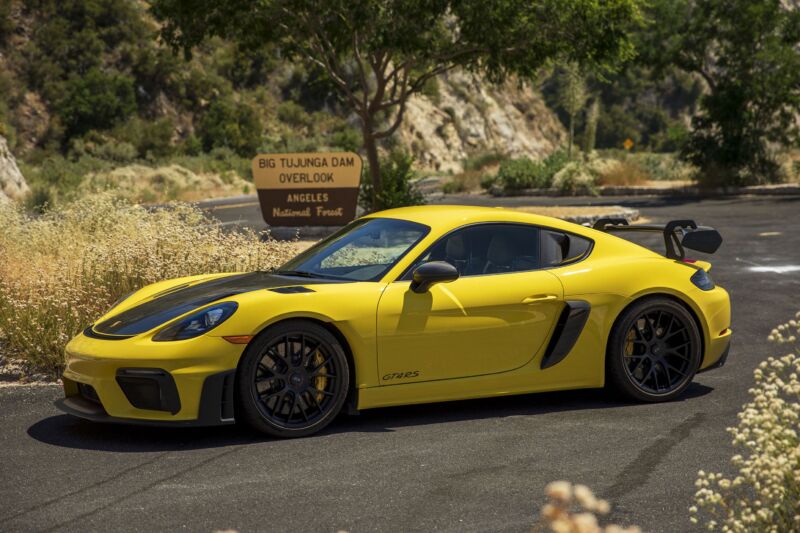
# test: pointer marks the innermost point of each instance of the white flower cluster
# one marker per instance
(786, 333)
(571, 509)
(764, 496)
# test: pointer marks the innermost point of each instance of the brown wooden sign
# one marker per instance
(312, 189)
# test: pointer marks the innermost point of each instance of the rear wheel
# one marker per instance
(654, 350)
(293, 380)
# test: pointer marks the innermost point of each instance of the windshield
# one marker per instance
(361, 251)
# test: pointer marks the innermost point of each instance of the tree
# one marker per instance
(228, 124)
(378, 53)
(573, 97)
(590, 133)
(746, 51)
(96, 100)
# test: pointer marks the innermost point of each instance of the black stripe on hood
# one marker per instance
(176, 302)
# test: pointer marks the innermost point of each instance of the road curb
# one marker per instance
(688, 191)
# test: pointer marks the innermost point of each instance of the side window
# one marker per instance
(560, 248)
(487, 249)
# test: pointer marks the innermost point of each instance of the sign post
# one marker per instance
(307, 189)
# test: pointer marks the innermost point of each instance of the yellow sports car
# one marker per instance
(411, 305)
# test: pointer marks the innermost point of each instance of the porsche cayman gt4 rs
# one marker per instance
(410, 305)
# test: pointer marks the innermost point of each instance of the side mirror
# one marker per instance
(428, 274)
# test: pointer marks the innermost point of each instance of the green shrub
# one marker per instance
(482, 160)
(150, 139)
(397, 187)
(575, 178)
(454, 186)
(232, 125)
(523, 173)
(346, 138)
(220, 161)
(516, 174)
(95, 101)
(488, 181)
(293, 114)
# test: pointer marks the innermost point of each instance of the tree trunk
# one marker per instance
(371, 147)
(571, 133)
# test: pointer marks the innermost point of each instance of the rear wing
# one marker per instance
(678, 234)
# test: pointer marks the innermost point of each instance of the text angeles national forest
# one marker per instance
(307, 189)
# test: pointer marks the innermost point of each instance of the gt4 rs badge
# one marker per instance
(401, 375)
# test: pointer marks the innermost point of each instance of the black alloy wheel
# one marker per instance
(655, 350)
(293, 380)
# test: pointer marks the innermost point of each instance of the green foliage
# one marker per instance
(95, 101)
(488, 181)
(57, 178)
(746, 52)
(151, 139)
(590, 135)
(219, 161)
(345, 138)
(293, 114)
(6, 24)
(482, 160)
(454, 186)
(575, 178)
(228, 124)
(398, 189)
(355, 41)
(572, 96)
(523, 173)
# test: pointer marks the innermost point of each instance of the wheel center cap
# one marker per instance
(296, 380)
(656, 349)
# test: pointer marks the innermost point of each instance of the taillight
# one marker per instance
(702, 280)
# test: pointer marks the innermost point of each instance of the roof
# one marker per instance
(445, 217)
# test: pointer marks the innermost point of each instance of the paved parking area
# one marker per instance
(461, 466)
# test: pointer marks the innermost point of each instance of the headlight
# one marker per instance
(197, 323)
(702, 280)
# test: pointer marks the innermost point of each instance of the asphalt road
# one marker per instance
(465, 466)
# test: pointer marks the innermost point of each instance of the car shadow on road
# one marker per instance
(70, 432)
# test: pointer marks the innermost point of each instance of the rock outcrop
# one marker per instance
(469, 116)
(12, 183)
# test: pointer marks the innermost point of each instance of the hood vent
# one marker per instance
(292, 290)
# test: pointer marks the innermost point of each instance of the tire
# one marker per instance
(654, 351)
(293, 380)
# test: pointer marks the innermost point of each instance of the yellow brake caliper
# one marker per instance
(320, 382)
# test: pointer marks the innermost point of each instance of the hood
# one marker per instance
(183, 299)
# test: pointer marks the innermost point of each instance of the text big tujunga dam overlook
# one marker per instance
(307, 161)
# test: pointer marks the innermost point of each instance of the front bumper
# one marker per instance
(143, 382)
(215, 405)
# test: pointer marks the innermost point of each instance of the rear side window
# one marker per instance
(559, 248)
(486, 249)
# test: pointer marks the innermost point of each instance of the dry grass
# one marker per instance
(624, 172)
(141, 184)
(60, 271)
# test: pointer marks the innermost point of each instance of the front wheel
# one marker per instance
(293, 380)
(654, 350)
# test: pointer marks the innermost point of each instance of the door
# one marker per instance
(494, 318)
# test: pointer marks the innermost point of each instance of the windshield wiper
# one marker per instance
(300, 274)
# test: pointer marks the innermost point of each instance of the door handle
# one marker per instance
(539, 298)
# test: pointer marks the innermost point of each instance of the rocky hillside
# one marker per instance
(467, 116)
(12, 183)
(89, 77)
